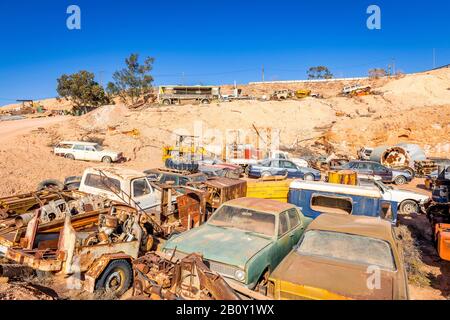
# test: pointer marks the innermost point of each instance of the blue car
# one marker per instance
(279, 167)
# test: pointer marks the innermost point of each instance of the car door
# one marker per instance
(293, 171)
(91, 154)
(382, 171)
(78, 152)
(295, 225)
(283, 243)
(276, 168)
(365, 168)
(143, 194)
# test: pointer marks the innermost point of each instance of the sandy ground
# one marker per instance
(414, 108)
(11, 129)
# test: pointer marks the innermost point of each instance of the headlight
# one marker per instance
(239, 275)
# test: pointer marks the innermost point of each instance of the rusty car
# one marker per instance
(343, 257)
(244, 240)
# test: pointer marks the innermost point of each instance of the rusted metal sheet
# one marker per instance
(222, 190)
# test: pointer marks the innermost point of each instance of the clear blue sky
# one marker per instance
(214, 42)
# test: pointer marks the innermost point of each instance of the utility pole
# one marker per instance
(434, 58)
(262, 73)
(100, 75)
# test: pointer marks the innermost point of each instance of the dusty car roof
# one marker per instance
(366, 191)
(121, 173)
(358, 225)
(82, 143)
(263, 205)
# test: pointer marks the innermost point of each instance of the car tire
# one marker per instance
(50, 184)
(400, 180)
(167, 102)
(116, 279)
(205, 101)
(308, 177)
(107, 160)
(408, 207)
(69, 156)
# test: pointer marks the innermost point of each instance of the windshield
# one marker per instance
(244, 219)
(347, 247)
(98, 148)
(200, 178)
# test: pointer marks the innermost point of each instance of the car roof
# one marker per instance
(121, 173)
(82, 143)
(365, 191)
(174, 172)
(358, 225)
(262, 205)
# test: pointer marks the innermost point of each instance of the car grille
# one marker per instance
(223, 269)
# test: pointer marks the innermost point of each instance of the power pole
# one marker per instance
(100, 75)
(434, 58)
(263, 73)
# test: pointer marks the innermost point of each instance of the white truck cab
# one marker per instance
(120, 185)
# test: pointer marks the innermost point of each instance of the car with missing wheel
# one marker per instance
(343, 257)
(279, 167)
(87, 151)
(371, 168)
(244, 240)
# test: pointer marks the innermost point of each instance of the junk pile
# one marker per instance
(159, 277)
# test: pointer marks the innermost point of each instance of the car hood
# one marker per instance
(225, 245)
(404, 194)
(310, 170)
(401, 172)
(336, 278)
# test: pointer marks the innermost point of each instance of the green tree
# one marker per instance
(319, 72)
(82, 90)
(134, 81)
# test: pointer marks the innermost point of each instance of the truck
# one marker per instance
(97, 246)
(169, 95)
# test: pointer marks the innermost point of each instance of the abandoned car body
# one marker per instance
(314, 198)
(88, 151)
(244, 240)
(99, 244)
(335, 259)
(277, 167)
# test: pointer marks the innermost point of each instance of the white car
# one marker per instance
(408, 201)
(87, 151)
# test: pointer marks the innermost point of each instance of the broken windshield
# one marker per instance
(348, 247)
(244, 219)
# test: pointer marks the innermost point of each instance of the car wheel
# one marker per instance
(166, 102)
(116, 279)
(107, 160)
(400, 180)
(70, 156)
(50, 184)
(308, 177)
(408, 207)
(266, 174)
(205, 101)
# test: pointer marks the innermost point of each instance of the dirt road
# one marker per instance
(11, 129)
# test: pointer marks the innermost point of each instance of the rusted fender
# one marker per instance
(99, 265)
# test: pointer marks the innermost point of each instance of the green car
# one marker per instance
(244, 240)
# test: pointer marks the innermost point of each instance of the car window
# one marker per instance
(331, 204)
(294, 219)
(283, 227)
(378, 167)
(167, 177)
(104, 183)
(244, 219)
(348, 247)
(275, 164)
(289, 165)
(265, 163)
(90, 149)
(141, 188)
(363, 166)
(184, 181)
(78, 147)
(64, 146)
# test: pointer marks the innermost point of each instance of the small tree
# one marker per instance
(377, 73)
(82, 90)
(319, 72)
(134, 81)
